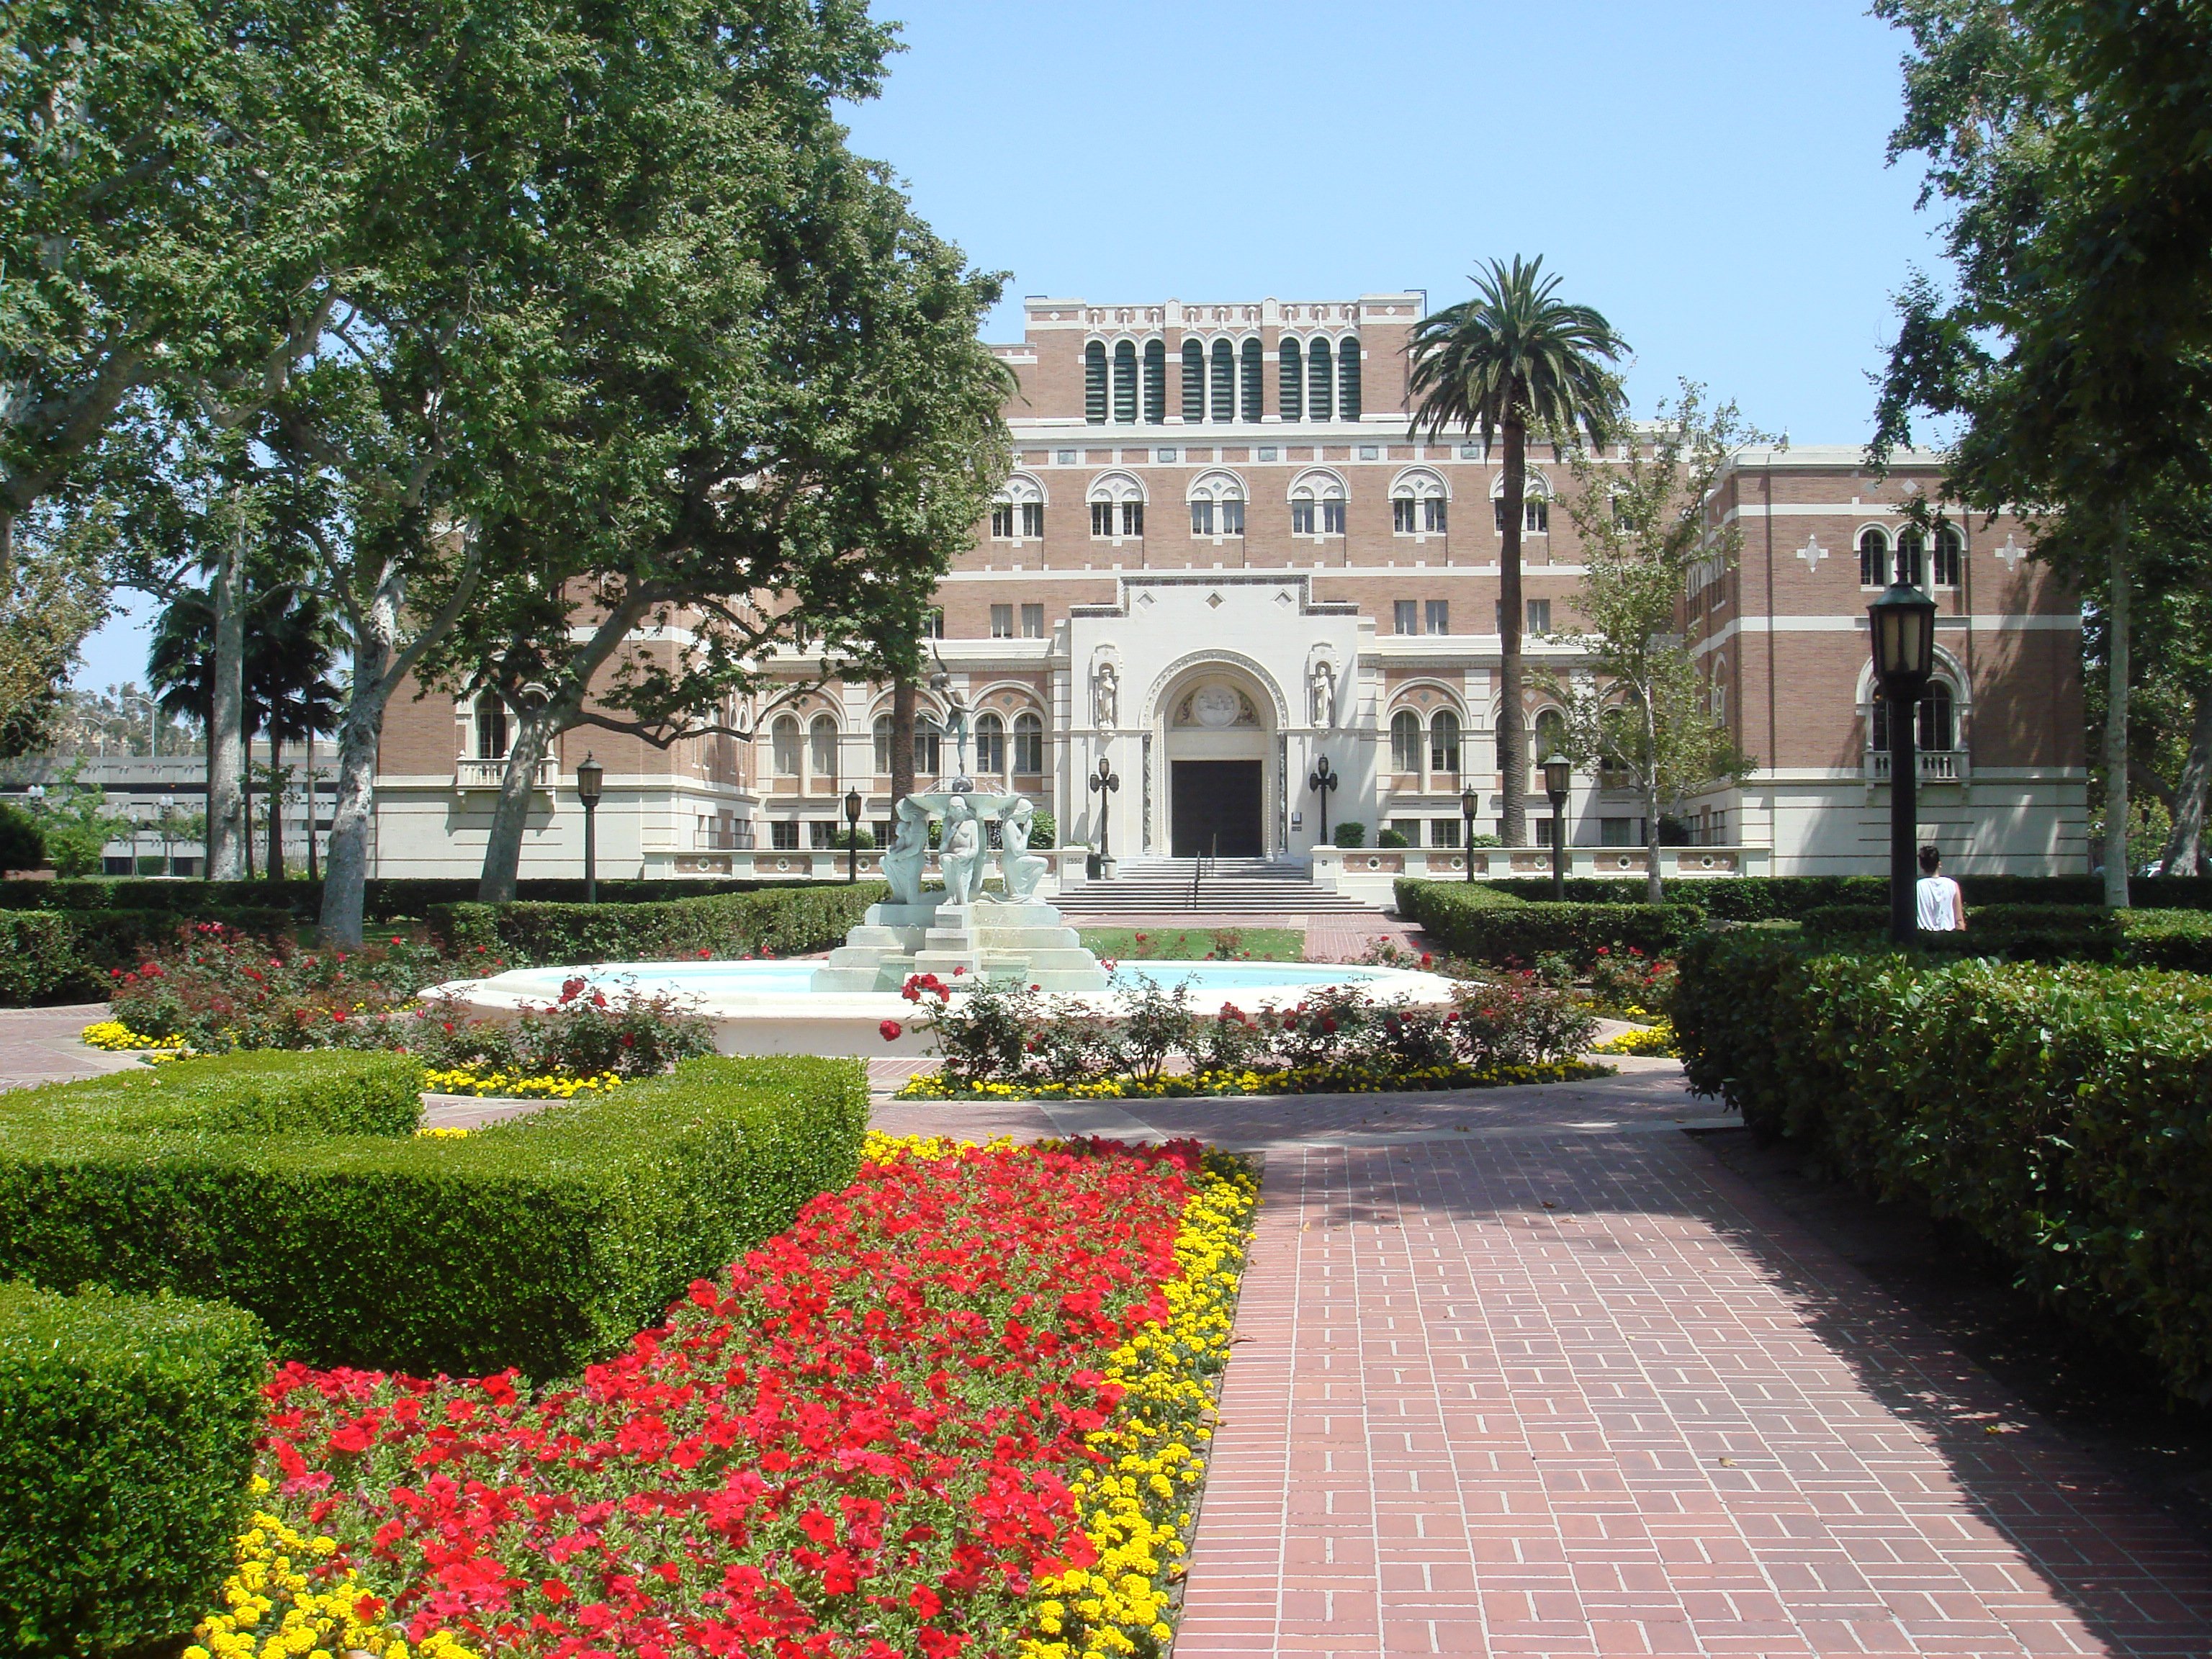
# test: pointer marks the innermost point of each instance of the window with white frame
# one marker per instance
(1028, 745)
(1444, 832)
(1018, 514)
(882, 733)
(1406, 742)
(783, 747)
(783, 834)
(1321, 377)
(1540, 616)
(491, 727)
(1950, 554)
(1912, 557)
(1117, 506)
(1405, 616)
(1438, 615)
(1316, 504)
(1032, 622)
(990, 744)
(1002, 622)
(1443, 743)
(821, 746)
(1874, 558)
(1935, 728)
(1217, 505)
(1535, 504)
(1417, 504)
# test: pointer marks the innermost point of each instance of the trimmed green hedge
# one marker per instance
(2058, 1112)
(127, 1427)
(787, 921)
(386, 896)
(1475, 921)
(65, 956)
(1772, 899)
(542, 1243)
(2043, 932)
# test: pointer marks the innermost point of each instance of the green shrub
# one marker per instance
(127, 1428)
(1392, 838)
(1044, 832)
(386, 897)
(1769, 898)
(2042, 932)
(62, 955)
(1475, 920)
(2057, 1113)
(784, 921)
(542, 1242)
(22, 843)
(1351, 834)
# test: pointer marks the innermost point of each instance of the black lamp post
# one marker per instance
(1320, 783)
(591, 776)
(1556, 775)
(852, 806)
(1103, 783)
(1468, 800)
(1902, 624)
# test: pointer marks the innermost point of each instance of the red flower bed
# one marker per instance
(857, 1444)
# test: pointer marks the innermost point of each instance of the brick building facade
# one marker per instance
(1220, 561)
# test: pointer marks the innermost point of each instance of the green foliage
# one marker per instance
(1197, 945)
(22, 843)
(61, 956)
(387, 897)
(784, 921)
(542, 1243)
(1764, 898)
(127, 1429)
(2043, 932)
(1475, 920)
(76, 825)
(1391, 838)
(1351, 834)
(2056, 1112)
(1044, 832)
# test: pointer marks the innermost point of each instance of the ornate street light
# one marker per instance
(852, 806)
(1468, 800)
(1557, 776)
(1320, 783)
(1103, 783)
(1902, 622)
(591, 779)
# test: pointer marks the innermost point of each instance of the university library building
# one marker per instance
(1220, 562)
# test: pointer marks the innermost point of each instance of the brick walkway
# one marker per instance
(1527, 1372)
(41, 1045)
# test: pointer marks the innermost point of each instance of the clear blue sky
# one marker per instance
(1708, 174)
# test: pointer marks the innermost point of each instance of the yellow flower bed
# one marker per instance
(466, 1080)
(117, 1038)
(1136, 1505)
(1658, 1039)
(1302, 1080)
(276, 1611)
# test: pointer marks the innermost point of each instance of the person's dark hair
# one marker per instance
(1929, 859)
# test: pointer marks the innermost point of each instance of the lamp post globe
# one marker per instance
(1901, 627)
(1557, 776)
(853, 806)
(591, 780)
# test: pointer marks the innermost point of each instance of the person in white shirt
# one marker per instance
(1941, 910)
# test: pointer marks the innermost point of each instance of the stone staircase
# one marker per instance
(1227, 887)
(988, 940)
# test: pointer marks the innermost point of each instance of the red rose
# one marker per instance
(892, 1030)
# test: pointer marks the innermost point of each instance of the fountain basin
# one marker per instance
(771, 1008)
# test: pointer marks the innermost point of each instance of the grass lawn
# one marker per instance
(1198, 944)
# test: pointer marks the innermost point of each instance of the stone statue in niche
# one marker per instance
(1105, 695)
(960, 853)
(1322, 684)
(1021, 868)
(909, 849)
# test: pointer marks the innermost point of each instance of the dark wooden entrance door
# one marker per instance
(1217, 806)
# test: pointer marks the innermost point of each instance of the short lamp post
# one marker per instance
(1902, 624)
(1320, 783)
(1556, 775)
(591, 780)
(852, 806)
(1104, 782)
(1468, 800)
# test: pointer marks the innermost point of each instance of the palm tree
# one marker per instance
(1515, 358)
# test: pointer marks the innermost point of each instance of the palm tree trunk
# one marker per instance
(1512, 736)
(2116, 718)
(2184, 847)
(229, 829)
(904, 699)
(245, 795)
(313, 816)
(276, 803)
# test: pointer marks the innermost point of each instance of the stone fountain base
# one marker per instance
(1023, 942)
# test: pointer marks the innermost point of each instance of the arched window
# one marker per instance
(1535, 504)
(1913, 557)
(1551, 735)
(928, 746)
(1223, 400)
(1094, 383)
(822, 747)
(1254, 380)
(1117, 506)
(1873, 559)
(1417, 503)
(1018, 514)
(882, 731)
(1156, 382)
(1320, 372)
(1316, 504)
(1194, 382)
(1125, 382)
(1291, 380)
(1028, 745)
(491, 727)
(1406, 741)
(1443, 743)
(1347, 378)
(990, 744)
(783, 747)
(1217, 505)
(1935, 726)
(1950, 554)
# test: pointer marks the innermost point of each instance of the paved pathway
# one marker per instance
(1528, 1372)
(41, 1045)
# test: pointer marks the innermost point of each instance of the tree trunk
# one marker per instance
(345, 877)
(1654, 891)
(276, 804)
(2115, 719)
(533, 741)
(227, 826)
(904, 701)
(1512, 735)
(313, 816)
(246, 798)
(2184, 847)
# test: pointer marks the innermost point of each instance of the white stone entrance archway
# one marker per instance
(1217, 783)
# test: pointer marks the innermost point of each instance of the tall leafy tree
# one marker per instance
(2071, 142)
(1643, 710)
(1515, 359)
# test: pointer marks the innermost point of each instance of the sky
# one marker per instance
(1710, 175)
